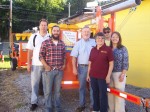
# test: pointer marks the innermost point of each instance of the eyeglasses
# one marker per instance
(106, 32)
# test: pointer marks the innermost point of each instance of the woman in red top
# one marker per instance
(99, 71)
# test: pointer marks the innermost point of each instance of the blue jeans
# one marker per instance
(100, 97)
(82, 74)
(52, 83)
(36, 73)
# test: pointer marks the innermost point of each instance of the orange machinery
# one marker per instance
(18, 52)
(69, 34)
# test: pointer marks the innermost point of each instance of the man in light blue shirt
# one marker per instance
(80, 54)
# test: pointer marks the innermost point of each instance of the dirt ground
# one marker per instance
(10, 96)
(15, 93)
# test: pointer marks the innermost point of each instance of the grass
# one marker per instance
(6, 63)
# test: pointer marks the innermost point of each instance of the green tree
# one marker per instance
(27, 13)
(76, 6)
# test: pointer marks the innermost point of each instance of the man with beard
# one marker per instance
(36, 67)
(52, 56)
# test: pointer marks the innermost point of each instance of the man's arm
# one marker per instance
(29, 58)
(46, 66)
(30, 49)
(111, 64)
(64, 65)
(74, 54)
(74, 65)
(88, 73)
(42, 56)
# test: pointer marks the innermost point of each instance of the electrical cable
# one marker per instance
(131, 11)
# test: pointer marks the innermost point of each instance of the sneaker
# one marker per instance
(33, 107)
(80, 109)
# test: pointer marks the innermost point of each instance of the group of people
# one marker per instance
(102, 61)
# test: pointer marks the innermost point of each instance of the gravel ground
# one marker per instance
(15, 92)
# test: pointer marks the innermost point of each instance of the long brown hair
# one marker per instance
(119, 44)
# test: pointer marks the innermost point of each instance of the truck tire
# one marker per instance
(13, 64)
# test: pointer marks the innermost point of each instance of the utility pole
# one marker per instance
(78, 5)
(69, 9)
(10, 25)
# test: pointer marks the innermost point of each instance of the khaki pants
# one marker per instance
(116, 104)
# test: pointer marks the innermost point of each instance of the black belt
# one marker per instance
(83, 64)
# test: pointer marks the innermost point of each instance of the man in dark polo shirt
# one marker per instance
(99, 71)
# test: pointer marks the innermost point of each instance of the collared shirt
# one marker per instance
(36, 49)
(100, 61)
(121, 61)
(82, 50)
(107, 42)
(54, 55)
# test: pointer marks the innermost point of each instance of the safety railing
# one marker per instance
(143, 102)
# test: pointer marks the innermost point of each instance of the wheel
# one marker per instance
(13, 64)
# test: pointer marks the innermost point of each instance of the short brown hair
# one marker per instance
(105, 29)
(43, 20)
(99, 34)
(55, 26)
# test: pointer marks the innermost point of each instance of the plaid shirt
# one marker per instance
(54, 55)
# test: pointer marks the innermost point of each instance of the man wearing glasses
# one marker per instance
(107, 34)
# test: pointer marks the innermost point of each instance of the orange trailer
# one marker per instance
(69, 34)
(18, 52)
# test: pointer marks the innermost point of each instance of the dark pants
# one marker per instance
(41, 92)
(100, 97)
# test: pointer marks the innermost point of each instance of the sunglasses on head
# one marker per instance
(106, 32)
